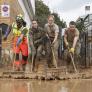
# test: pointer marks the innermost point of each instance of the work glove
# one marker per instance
(72, 50)
(18, 42)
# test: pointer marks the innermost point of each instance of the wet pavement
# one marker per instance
(7, 85)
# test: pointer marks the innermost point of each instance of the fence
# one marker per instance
(86, 42)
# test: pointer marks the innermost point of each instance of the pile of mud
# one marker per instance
(45, 73)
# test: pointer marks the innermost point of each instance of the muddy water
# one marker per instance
(45, 86)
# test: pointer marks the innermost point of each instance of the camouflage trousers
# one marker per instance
(38, 51)
(48, 50)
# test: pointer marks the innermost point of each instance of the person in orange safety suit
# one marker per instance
(20, 31)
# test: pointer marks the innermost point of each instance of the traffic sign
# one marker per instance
(5, 10)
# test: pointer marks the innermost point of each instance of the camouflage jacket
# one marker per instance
(37, 35)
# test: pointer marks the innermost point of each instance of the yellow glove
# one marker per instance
(72, 50)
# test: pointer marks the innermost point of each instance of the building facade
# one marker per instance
(15, 7)
(9, 9)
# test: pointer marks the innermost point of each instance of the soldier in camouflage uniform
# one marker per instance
(37, 34)
(71, 37)
(52, 30)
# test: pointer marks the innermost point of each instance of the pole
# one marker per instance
(53, 54)
(0, 45)
(72, 60)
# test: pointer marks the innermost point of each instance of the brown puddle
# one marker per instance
(45, 86)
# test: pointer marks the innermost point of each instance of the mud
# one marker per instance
(47, 74)
(42, 71)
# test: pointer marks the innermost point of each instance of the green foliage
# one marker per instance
(58, 21)
(42, 12)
